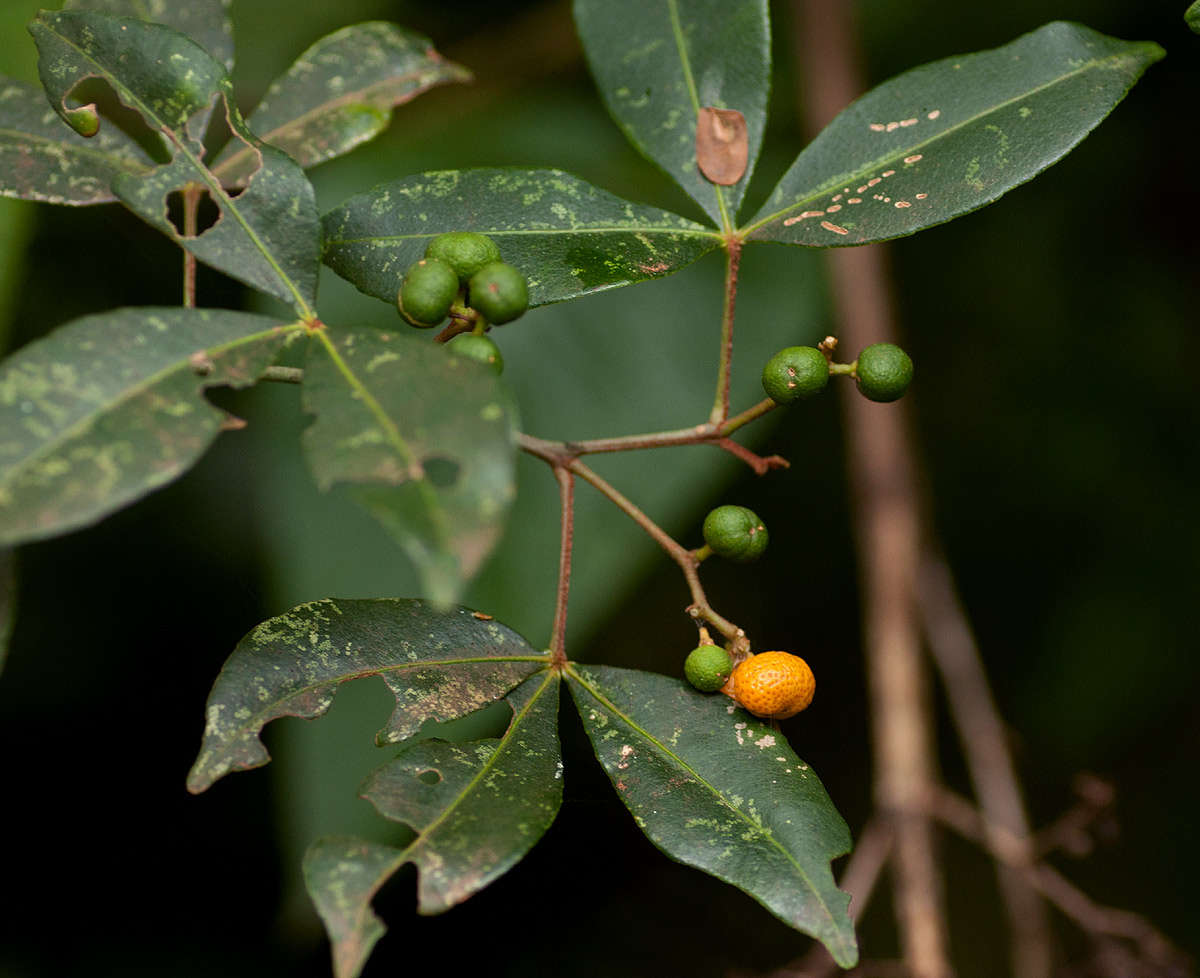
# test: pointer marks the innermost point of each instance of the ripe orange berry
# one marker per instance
(773, 685)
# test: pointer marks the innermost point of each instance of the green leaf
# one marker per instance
(439, 665)
(1192, 16)
(268, 236)
(716, 789)
(339, 94)
(43, 159)
(109, 407)
(950, 137)
(658, 64)
(477, 809)
(8, 598)
(425, 438)
(205, 21)
(568, 237)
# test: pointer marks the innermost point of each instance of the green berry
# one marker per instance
(464, 251)
(735, 533)
(884, 372)
(479, 348)
(708, 668)
(795, 373)
(498, 292)
(428, 291)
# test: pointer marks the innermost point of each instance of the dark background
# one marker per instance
(1056, 408)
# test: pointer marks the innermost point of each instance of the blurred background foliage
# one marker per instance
(1056, 350)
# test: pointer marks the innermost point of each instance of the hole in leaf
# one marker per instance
(442, 472)
(430, 776)
(97, 92)
(233, 160)
(207, 211)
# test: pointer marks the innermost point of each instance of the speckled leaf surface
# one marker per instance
(339, 94)
(949, 137)
(477, 809)
(109, 407)
(715, 788)
(566, 236)
(1192, 16)
(205, 21)
(425, 440)
(342, 875)
(658, 63)
(44, 159)
(269, 235)
(8, 598)
(439, 665)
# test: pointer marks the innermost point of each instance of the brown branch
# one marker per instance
(1097, 920)
(883, 486)
(191, 205)
(558, 634)
(733, 259)
(985, 748)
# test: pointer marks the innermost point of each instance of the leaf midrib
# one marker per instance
(606, 229)
(424, 833)
(608, 704)
(137, 390)
(852, 176)
(429, 498)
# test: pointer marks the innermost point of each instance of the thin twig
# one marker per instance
(191, 206)
(733, 258)
(558, 639)
(1097, 920)
(708, 433)
(985, 748)
(886, 521)
(700, 609)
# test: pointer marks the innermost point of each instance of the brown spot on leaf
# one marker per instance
(722, 145)
(481, 616)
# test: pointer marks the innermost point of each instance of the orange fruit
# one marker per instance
(772, 685)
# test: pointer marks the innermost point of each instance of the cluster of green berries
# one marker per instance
(883, 372)
(463, 270)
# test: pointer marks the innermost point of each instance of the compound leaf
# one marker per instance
(659, 64)
(425, 440)
(205, 21)
(477, 809)
(269, 235)
(568, 237)
(714, 788)
(43, 159)
(109, 407)
(439, 665)
(949, 137)
(340, 93)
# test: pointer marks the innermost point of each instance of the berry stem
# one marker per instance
(699, 609)
(191, 207)
(733, 259)
(558, 638)
(708, 433)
